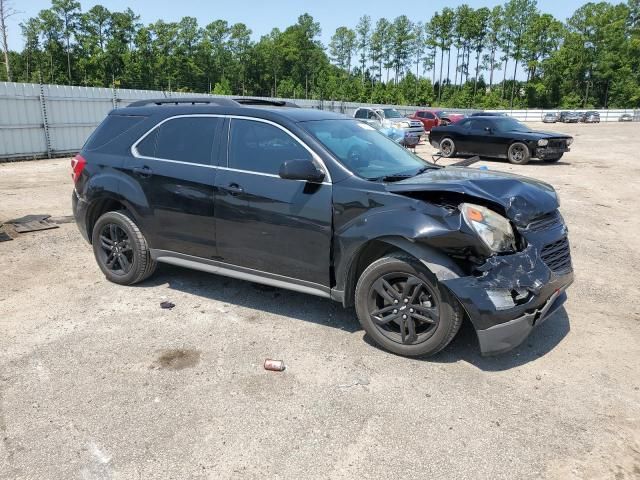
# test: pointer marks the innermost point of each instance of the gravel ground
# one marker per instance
(98, 382)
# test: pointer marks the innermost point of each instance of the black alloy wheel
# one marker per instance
(403, 308)
(116, 252)
(121, 248)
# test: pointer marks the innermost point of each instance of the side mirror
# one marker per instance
(301, 170)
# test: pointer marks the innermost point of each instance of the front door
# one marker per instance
(174, 169)
(267, 223)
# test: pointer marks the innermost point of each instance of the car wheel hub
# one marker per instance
(403, 308)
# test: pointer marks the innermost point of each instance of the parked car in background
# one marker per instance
(569, 117)
(625, 117)
(499, 137)
(550, 118)
(590, 117)
(392, 118)
(434, 118)
(313, 202)
(489, 114)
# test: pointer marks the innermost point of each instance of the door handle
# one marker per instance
(143, 172)
(234, 189)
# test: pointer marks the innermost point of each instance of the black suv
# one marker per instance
(322, 204)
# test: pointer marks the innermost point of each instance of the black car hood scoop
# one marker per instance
(522, 198)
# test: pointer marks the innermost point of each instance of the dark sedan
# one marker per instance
(499, 137)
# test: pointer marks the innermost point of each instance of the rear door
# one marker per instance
(174, 166)
(267, 223)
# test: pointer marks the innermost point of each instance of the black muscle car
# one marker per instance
(499, 137)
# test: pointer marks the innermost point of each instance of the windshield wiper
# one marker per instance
(401, 176)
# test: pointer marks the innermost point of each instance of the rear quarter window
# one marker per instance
(111, 128)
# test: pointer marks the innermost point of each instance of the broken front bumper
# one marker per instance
(547, 152)
(512, 295)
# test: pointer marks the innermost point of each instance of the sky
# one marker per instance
(263, 15)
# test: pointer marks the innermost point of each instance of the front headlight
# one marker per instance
(493, 229)
(543, 142)
(569, 141)
(403, 125)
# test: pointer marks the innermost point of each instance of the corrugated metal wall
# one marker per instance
(51, 120)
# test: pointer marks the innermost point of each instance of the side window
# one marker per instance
(429, 115)
(361, 113)
(466, 124)
(261, 148)
(420, 114)
(188, 139)
(372, 115)
(147, 147)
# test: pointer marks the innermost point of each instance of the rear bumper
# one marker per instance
(80, 208)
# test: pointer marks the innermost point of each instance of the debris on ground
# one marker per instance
(274, 365)
(32, 223)
(167, 305)
(4, 236)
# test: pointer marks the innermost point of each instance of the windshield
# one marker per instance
(391, 113)
(509, 125)
(364, 150)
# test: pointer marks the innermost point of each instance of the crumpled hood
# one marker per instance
(523, 199)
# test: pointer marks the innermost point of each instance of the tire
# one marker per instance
(518, 153)
(447, 147)
(552, 159)
(121, 250)
(426, 299)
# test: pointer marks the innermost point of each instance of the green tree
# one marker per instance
(363, 42)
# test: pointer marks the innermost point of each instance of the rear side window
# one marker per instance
(428, 115)
(361, 113)
(260, 147)
(112, 127)
(188, 139)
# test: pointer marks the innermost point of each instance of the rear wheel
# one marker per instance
(447, 147)
(404, 309)
(518, 153)
(121, 250)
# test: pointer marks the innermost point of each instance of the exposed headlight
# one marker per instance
(543, 142)
(493, 229)
(403, 125)
(569, 141)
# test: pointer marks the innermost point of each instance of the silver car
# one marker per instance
(392, 118)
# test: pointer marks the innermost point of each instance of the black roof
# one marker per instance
(259, 108)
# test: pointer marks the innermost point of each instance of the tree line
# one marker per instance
(512, 55)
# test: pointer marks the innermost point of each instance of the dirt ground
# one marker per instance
(98, 382)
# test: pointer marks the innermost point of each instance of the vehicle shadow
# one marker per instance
(297, 306)
(533, 163)
(322, 311)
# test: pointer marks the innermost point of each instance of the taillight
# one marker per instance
(77, 165)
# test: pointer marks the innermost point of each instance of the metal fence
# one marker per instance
(53, 120)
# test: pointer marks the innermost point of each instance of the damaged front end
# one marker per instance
(510, 287)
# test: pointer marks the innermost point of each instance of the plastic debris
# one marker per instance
(167, 305)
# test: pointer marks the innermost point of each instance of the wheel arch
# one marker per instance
(438, 263)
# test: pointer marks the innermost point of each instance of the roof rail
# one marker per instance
(221, 102)
(260, 102)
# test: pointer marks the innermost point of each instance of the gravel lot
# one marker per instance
(98, 382)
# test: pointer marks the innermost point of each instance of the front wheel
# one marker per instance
(518, 153)
(404, 309)
(121, 250)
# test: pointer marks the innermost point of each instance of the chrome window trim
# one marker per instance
(315, 156)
